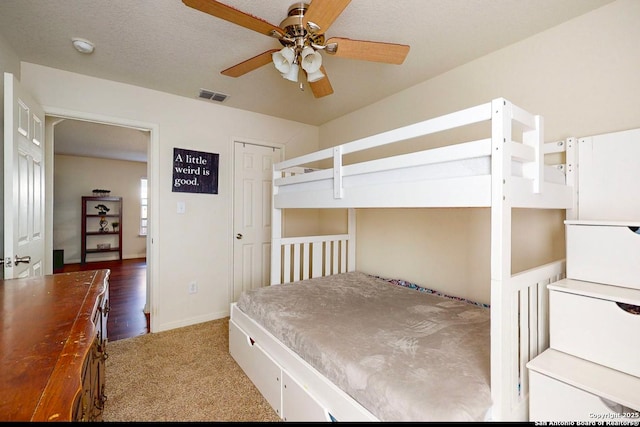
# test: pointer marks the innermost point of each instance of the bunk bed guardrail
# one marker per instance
(423, 173)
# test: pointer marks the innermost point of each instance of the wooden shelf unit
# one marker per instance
(91, 234)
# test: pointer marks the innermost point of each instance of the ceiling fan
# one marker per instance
(302, 33)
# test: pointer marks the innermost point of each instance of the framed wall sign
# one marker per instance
(195, 171)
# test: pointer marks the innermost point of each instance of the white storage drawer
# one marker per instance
(604, 252)
(597, 323)
(553, 400)
(566, 388)
(264, 372)
(299, 405)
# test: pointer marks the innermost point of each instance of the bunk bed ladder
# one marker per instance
(515, 334)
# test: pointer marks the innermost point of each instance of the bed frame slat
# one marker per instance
(306, 261)
(286, 264)
(343, 256)
(296, 262)
(316, 260)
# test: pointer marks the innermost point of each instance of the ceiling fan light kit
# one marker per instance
(302, 35)
(288, 60)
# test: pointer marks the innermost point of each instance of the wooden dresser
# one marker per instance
(53, 336)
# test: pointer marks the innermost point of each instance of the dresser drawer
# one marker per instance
(603, 253)
(599, 323)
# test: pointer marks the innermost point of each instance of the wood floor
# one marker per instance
(127, 295)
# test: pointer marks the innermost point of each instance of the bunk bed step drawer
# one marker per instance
(553, 400)
(566, 388)
(604, 253)
(263, 371)
(596, 322)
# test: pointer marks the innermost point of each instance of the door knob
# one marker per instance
(239, 236)
(26, 259)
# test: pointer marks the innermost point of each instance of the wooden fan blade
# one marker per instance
(321, 87)
(323, 12)
(235, 16)
(390, 53)
(249, 65)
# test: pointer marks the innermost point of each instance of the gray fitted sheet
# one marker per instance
(403, 354)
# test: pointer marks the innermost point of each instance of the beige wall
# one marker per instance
(196, 245)
(583, 77)
(75, 177)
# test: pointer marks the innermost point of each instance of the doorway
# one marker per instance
(96, 142)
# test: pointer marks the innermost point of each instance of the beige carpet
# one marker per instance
(185, 374)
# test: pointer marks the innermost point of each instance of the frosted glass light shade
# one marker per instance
(311, 60)
(315, 76)
(283, 59)
(292, 74)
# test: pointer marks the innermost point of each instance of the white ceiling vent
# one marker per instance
(212, 96)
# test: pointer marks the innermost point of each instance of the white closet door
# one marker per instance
(252, 215)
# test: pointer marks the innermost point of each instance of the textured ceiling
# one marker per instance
(168, 46)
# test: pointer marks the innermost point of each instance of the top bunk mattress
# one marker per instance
(403, 354)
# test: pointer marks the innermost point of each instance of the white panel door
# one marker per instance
(252, 215)
(23, 182)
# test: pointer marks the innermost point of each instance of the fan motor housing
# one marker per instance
(294, 29)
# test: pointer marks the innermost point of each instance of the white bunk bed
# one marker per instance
(503, 171)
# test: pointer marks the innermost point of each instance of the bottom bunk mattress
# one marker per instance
(403, 354)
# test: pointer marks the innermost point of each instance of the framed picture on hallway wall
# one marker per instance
(195, 171)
